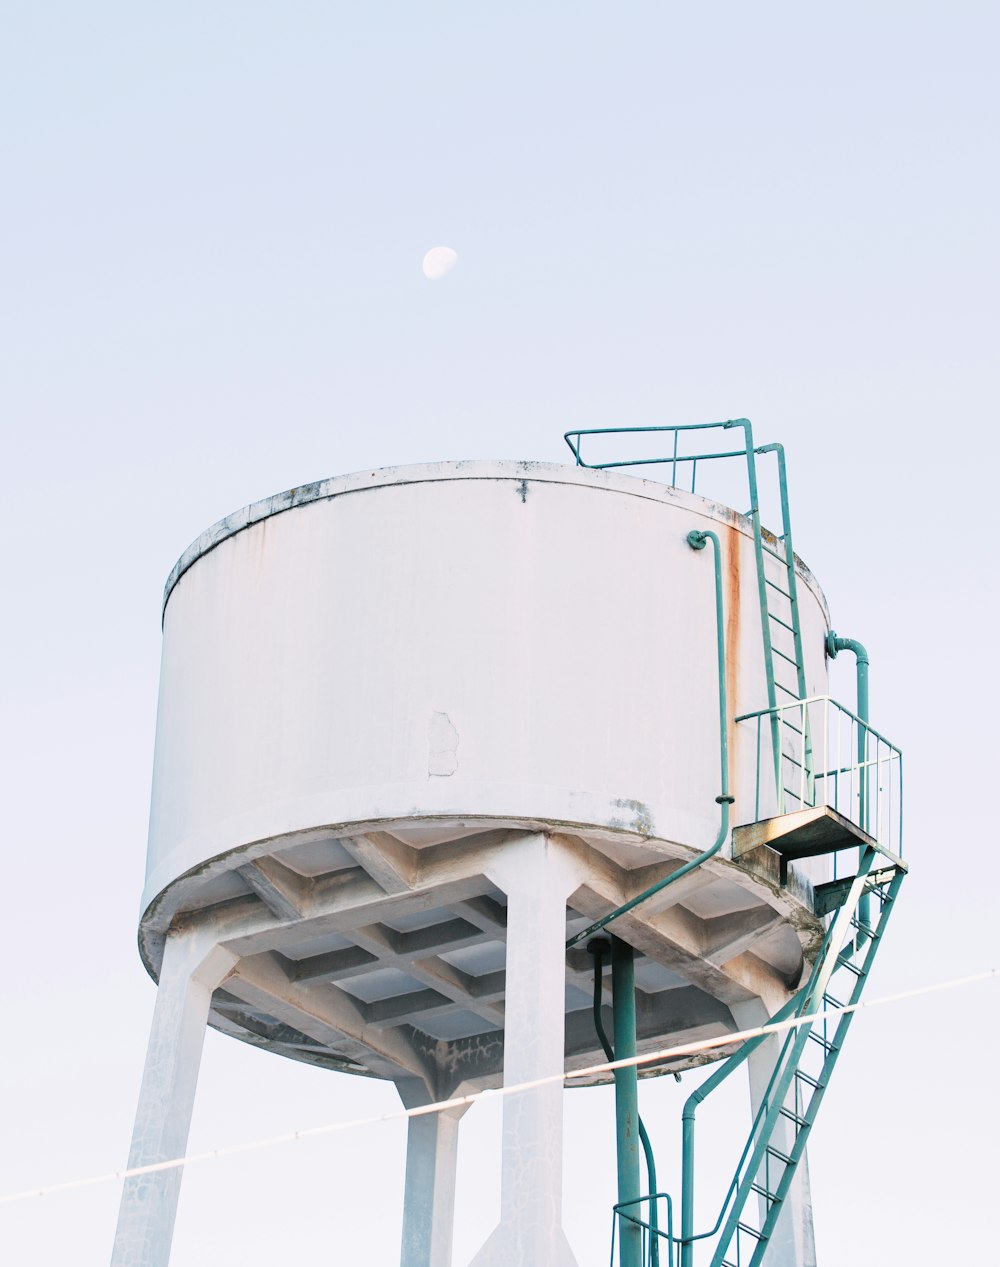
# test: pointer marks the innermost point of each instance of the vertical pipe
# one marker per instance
(687, 1188)
(626, 1102)
(834, 644)
(599, 947)
(696, 540)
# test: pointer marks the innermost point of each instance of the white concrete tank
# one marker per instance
(419, 725)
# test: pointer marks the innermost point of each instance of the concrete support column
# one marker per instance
(538, 876)
(192, 967)
(431, 1165)
(793, 1243)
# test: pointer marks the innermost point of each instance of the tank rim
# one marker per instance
(479, 469)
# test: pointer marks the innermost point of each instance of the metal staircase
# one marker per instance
(809, 1052)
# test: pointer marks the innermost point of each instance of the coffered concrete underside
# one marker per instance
(380, 949)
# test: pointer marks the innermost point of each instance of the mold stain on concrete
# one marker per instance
(639, 819)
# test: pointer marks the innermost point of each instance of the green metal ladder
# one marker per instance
(809, 1052)
(781, 626)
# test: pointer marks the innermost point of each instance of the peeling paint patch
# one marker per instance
(442, 746)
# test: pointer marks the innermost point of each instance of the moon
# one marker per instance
(438, 262)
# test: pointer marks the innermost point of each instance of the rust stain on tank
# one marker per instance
(731, 582)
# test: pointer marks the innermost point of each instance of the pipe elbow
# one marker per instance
(691, 1106)
(836, 644)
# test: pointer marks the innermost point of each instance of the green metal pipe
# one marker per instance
(626, 1101)
(696, 540)
(598, 947)
(687, 1188)
(834, 645)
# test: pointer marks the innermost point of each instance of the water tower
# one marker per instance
(472, 773)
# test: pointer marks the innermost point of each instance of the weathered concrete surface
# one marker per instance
(429, 1196)
(193, 965)
(537, 874)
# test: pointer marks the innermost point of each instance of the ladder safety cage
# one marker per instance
(777, 586)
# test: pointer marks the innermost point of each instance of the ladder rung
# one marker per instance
(775, 554)
(779, 589)
(809, 1080)
(750, 1231)
(793, 694)
(827, 1044)
(793, 1117)
(831, 1001)
(761, 1191)
(776, 1152)
(778, 620)
(872, 934)
(775, 651)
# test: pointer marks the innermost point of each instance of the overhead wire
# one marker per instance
(463, 1101)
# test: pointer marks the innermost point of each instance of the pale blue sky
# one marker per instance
(211, 231)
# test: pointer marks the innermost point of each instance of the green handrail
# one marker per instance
(674, 460)
(653, 1226)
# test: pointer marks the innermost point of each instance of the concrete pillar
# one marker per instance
(793, 1243)
(537, 876)
(192, 967)
(431, 1165)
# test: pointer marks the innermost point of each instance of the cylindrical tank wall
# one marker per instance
(491, 640)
